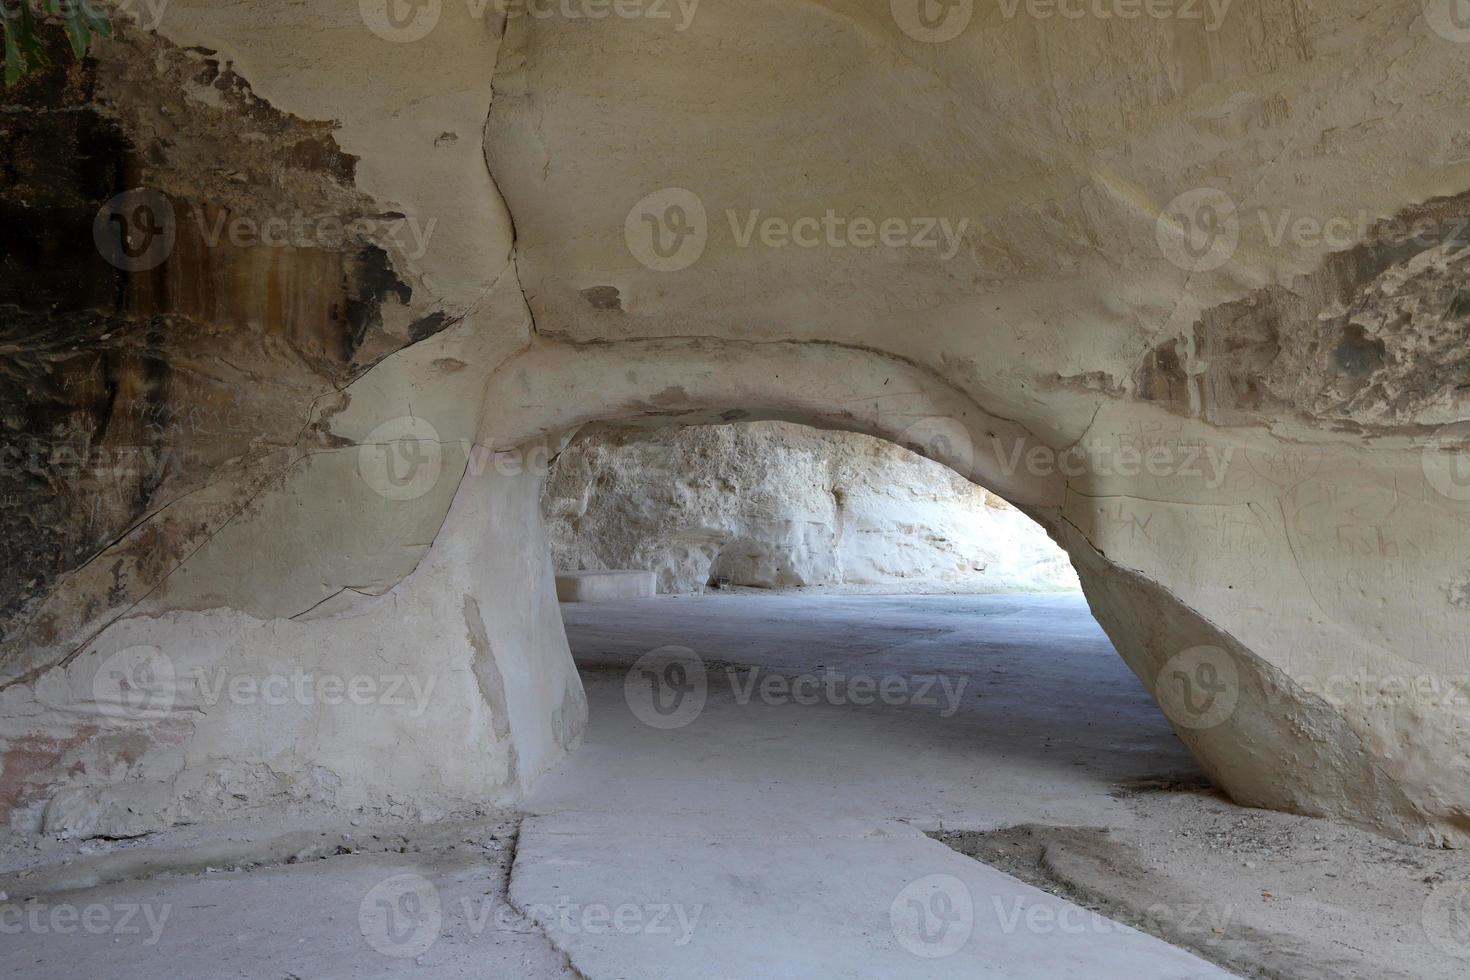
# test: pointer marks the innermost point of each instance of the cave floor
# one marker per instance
(797, 826)
(802, 823)
(793, 834)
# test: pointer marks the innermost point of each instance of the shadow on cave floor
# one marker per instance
(988, 684)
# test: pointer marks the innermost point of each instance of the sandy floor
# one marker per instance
(776, 836)
(1264, 894)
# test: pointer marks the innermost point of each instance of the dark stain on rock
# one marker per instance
(121, 391)
(1087, 381)
(425, 327)
(368, 281)
(673, 396)
(56, 167)
(1460, 305)
(1161, 378)
(303, 144)
(603, 298)
(1357, 353)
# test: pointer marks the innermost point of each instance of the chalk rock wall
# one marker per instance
(1189, 291)
(258, 555)
(776, 505)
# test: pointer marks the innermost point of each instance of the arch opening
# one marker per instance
(775, 566)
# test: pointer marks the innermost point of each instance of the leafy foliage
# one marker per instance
(21, 20)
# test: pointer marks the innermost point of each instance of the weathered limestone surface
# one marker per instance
(1258, 422)
(775, 505)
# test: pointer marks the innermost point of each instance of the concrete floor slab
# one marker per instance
(865, 900)
(435, 912)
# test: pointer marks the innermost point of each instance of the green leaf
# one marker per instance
(74, 22)
(96, 19)
(14, 66)
(21, 45)
(81, 20)
(32, 51)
